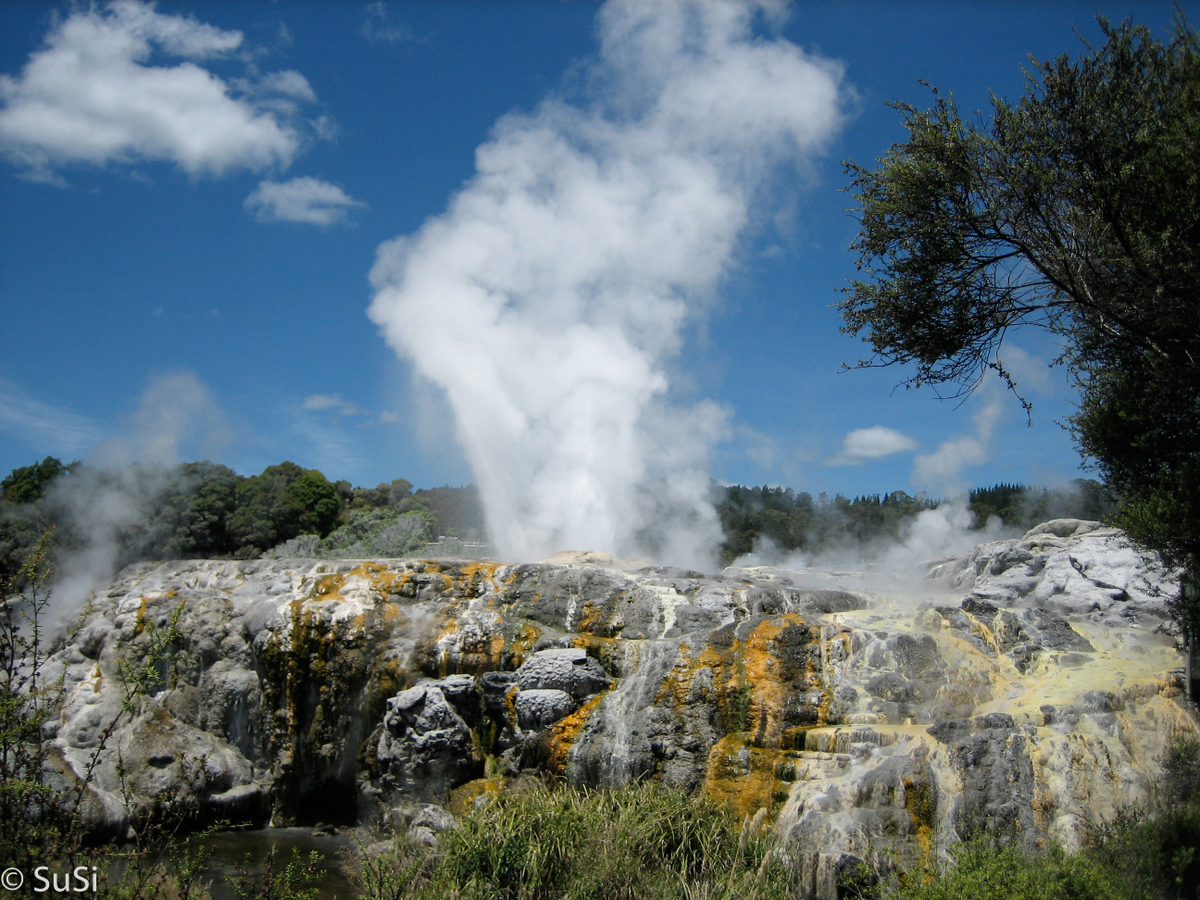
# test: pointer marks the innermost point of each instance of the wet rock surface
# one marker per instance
(1025, 691)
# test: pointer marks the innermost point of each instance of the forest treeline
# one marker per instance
(796, 522)
(206, 510)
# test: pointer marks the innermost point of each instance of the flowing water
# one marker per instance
(618, 723)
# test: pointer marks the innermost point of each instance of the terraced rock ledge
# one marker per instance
(1025, 690)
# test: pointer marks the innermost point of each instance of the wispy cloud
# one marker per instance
(942, 471)
(1030, 373)
(308, 201)
(334, 403)
(44, 427)
(379, 27)
(327, 431)
(865, 444)
(90, 96)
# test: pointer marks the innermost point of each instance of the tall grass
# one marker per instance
(647, 842)
(542, 842)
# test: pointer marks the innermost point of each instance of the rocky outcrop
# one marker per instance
(1024, 691)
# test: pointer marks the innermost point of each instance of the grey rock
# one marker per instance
(435, 818)
(495, 688)
(428, 824)
(1025, 635)
(1029, 675)
(1064, 528)
(950, 731)
(998, 787)
(426, 748)
(230, 704)
(571, 671)
(1074, 567)
(170, 763)
(690, 618)
(538, 709)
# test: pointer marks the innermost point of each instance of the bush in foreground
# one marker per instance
(552, 843)
(983, 872)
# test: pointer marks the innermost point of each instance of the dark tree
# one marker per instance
(29, 483)
(196, 506)
(281, 503)
(1076, 209)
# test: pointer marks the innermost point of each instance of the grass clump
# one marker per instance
(542, 842)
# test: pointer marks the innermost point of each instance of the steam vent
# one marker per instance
(1024, 689)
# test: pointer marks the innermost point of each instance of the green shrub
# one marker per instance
(296, 879)
(1180, 780)
(35, 821)
(1156, 854)
(366, 534)
(988, 872)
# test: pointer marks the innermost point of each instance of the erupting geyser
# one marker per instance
(547, 299)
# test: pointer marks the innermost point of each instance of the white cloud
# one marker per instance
(1030, 373)
(546, 301)
(90, 95)
(43, 427)
(941, 472)
(305, 200)
(289, 83)
(379, 26)
(177, 35)
(875, 442)
(335, 402)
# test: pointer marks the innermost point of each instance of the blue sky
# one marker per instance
(184, 258)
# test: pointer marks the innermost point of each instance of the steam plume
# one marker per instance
(549, 297)
(124, 477)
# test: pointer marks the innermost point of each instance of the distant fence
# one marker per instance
(446, 544)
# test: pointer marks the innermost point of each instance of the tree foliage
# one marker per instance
(281, 503)
(206, 510)
(29, 483)
(1075, 209)
(779, 519)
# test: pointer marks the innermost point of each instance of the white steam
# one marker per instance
(950, 529)
(548, 298)
(932, 535)
(176, 416)
(124, 477)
